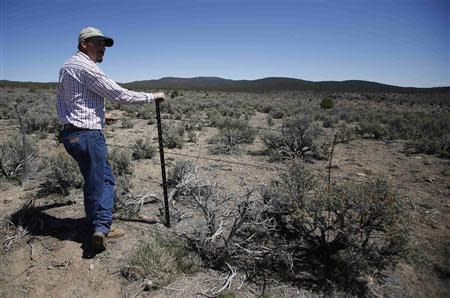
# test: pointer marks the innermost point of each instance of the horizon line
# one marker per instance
(270, 77)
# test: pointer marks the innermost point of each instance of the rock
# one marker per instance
(361, 174)
(110, 118)
(7, 201)
(430, 180)
(91, 267)
(148, 285)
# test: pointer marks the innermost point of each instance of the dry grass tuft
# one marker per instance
(162, 259)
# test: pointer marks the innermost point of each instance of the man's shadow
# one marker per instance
(39, 223)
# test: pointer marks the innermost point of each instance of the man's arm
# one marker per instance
(98, 82)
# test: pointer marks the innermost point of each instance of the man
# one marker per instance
(81, 91)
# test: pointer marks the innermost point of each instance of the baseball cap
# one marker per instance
(94, 32)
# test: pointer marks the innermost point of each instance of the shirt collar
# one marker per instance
(83, 55)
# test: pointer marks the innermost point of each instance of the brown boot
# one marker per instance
(116, 233)
(99, 241)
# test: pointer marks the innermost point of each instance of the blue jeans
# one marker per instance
(88, 148)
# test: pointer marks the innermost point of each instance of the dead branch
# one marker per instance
(8, 241)
(130, 207)
(226, 284)
(141, 220)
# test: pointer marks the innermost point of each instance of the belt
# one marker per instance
(69, 126)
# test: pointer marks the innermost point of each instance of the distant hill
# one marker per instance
(34, 85)
(275, 83)
(261, 85)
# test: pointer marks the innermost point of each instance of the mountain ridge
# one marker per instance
(259, 85)
(276, 84)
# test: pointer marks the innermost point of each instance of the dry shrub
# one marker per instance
(13, 156)
(180, 172)
(296, 230)
(17, 226)
(232, 232)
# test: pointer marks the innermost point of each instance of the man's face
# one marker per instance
(95, 48)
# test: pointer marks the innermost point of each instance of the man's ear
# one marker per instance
(83, 44)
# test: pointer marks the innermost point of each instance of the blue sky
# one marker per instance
(398, 42)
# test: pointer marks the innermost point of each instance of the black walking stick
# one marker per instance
(163, 166)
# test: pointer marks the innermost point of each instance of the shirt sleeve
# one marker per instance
(98, 82)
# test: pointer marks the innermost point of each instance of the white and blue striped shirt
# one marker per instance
(82, 90)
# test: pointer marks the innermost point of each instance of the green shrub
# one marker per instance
(191, 126)
(299, 137)
(121, 190)
(264, 108)
(329, 122)
(192, 136)
(232, 134)
(345, 134)
(143, 150)
(61, 173)
(174, 94)
(229, 111)
(374, 130)
(146, 111)
(173, 135)
(163, 258)
(340, 234)
(127, 123)
(270, 120)
(430, 144)
(276, 113)
(40, 120)
(121, 161)
(431, 135)
(327, 103)
(401, 128)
